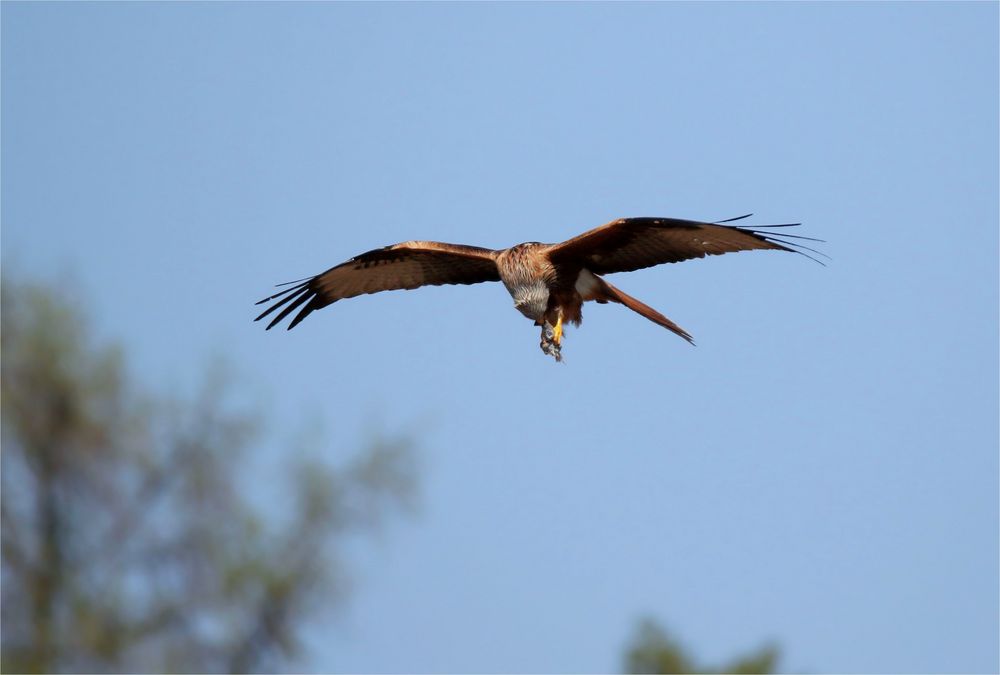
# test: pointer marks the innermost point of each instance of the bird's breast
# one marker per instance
(530, 299)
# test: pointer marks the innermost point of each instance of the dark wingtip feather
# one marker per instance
(289, 283)
(278, 295)
(296, 300)
(792, 236)
(730, 220)
(313, 305)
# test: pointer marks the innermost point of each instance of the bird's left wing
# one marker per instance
(630, 244)
(410, 264)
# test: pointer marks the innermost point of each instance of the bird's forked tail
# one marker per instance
(617, 295)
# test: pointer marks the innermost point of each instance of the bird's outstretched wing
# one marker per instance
(630, 244)
(410, 264)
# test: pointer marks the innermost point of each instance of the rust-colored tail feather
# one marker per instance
(617, 295)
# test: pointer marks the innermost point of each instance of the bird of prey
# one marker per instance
(548, 282)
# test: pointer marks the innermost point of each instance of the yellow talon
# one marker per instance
(557, 331)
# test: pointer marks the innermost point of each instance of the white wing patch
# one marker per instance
(587, 284)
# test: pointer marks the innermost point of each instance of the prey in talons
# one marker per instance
(551, 342)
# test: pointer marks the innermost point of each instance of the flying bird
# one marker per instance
(548, 282)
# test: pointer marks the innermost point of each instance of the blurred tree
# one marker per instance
(653, 651)
(127, 542)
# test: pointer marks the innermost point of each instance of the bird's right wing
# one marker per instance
(410, 264)
(629, 244)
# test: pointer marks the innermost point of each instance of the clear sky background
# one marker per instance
(821, 470)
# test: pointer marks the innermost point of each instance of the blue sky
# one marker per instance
(822, 470)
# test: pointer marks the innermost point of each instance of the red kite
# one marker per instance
(549, 282)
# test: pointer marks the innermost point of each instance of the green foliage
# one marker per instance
(653, 651)
(128, 542)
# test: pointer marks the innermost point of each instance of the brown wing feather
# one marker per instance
(630, 244)
(410, 264)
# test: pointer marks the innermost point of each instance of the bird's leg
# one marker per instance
(557, 331)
